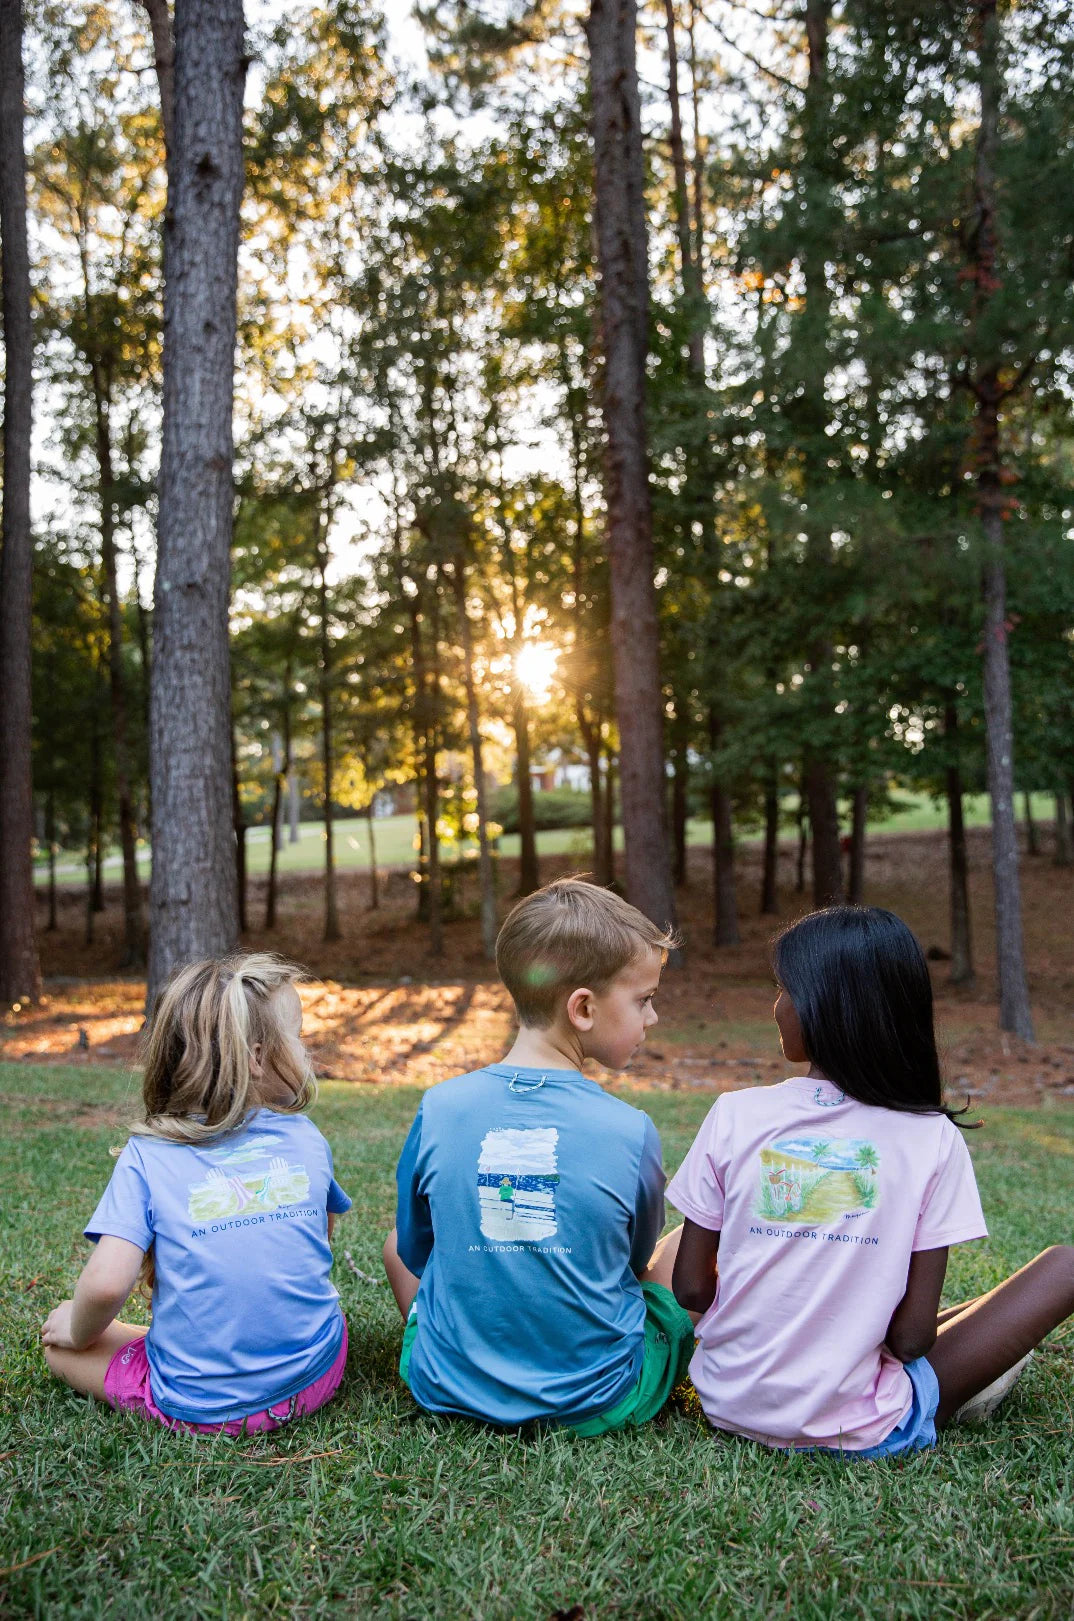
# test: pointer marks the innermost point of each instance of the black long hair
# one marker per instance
(861, 989)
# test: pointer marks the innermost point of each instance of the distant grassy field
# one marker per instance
(370, 1509)
(394, 837)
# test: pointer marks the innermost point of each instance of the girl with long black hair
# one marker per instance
(830, 1202)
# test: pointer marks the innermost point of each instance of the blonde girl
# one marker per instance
(225, 1198)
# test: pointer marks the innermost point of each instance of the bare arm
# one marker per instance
(694, 1279)
(107, 1279)
(912, 1330)
(331, 1224)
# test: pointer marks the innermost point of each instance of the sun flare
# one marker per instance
(535, 668)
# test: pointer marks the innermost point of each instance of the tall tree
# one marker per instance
(193, 894)
(20, 976)
(990, 388)
(622, 253)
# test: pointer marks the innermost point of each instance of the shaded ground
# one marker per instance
(383, 1009)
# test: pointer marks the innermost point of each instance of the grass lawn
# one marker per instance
(394, 837)
(370, 1509)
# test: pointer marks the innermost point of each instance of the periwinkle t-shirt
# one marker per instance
(820, 1201)
(244, 1311)
(528, 1201)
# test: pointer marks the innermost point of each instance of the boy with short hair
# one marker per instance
(525, 1256)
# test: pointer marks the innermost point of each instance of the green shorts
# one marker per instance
(669, 1345)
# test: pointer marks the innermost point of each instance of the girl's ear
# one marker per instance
(580, 1009)
(256, 1071)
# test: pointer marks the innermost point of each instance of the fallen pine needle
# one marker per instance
(365, 1277)
(11, 1569)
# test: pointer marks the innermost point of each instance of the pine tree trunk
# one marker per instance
(50, 835)
(824, 828)
(622, 255)
(725, 928)
(239, 824)
(20, 974)
(484, 852)
(1063, 855)
(591, 739)
(134, 940)
(194, 904)
(1032, 842)
(332, 930)
(856, 877)
(274, 851)
(680, 799)
(803, 849)
(770, 863)
(1014, 1009)
(961, 938)
(294, 805)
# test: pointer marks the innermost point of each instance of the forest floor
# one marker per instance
(382, 1009)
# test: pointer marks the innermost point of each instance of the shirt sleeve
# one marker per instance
(339, 1202)
(951, 1206)
(648, 1201)
(697, 1186)
(413, 1220)
(126, 1206)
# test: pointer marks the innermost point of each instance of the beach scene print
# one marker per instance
(517, 1178)
(237, 1185)
(816, 1180)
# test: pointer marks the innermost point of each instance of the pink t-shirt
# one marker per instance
(819, 1202)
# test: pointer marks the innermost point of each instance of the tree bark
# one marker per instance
(1014, 1008)
(193, 892)
(20, 974)
(332, 930)
(484, 852)
(164, 63)
(622, 254)
(239, 825)
(134, 941)
(680, 802)
(1063, 854)
(274, 850)
(725, 928)
(1032, 842)
(961, 937)
(50, 836)
(824, 829)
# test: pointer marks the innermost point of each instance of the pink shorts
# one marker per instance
(126, 1385)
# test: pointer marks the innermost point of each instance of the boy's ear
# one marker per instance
(580, 1009)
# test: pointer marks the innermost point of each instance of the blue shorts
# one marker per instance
(918, 1429)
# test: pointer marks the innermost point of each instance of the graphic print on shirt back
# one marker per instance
(233, 1186)
(818, 1179)
(516, 1183)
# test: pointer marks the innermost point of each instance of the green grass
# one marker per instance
(394, 837)
(370, 1509)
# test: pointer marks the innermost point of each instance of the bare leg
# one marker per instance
(85, 1370)
(404, 1283)
(662, 1263)
(995, 1331)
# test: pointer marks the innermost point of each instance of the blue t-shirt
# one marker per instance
(244, 1311)
(528, 1201)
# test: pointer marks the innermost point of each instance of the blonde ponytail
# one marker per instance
(199, 1042)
